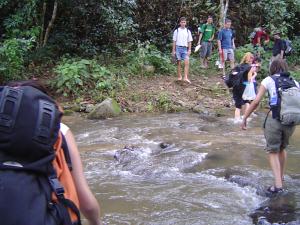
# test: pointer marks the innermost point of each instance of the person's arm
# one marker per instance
(251, 73)
(200, 37)
(267, 38)
(281, 53)
(253, 106)
(190, 40)
(174, 48)
(174, 42)
(281, 49)
(87, 202)
(189, 48)
(219, 41)
(258, 41)
(233, 44)
(212, 37)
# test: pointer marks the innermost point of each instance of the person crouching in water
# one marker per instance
(276, 134)
(237, 91)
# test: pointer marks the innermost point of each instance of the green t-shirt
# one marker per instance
(207, 30)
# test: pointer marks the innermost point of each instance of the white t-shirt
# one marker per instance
(270, 85)
(182, 36)
(64, 128)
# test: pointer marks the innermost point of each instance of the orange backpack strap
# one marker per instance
(65, 193)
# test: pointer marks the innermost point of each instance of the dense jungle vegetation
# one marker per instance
(93, 47)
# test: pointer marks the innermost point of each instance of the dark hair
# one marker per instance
(257, 59)
(278, 66)
(182, 19)
(227, 20)
(33, 83)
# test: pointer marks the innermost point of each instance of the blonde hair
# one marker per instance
(247, 58)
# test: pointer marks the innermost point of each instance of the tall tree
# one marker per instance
(223, 11)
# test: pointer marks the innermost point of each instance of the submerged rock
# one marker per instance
(279, 209)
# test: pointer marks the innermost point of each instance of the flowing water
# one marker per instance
(174, 168)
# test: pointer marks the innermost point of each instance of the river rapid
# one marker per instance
(176, 169)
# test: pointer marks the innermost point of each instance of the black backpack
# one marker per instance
(237, 76)
(29, 127)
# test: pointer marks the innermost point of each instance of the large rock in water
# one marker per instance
(107, 108)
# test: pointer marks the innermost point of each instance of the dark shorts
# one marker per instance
(206, 49)
(237, 94)
(277, 135)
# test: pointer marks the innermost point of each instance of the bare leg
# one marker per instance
(282, 160)
(237, 113)
(179, 70)
(186, 70)
(202, 63)
(205, 62)
(276, 168)
(232, 64)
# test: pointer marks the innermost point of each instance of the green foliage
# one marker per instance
(164, 103)
(147, 55)
(296, 75)
(12, 54)
(294, 58)
(81, 76)
(22, 23)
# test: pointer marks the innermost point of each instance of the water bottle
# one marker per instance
(273, 98)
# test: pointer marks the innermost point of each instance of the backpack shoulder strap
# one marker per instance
(64, 181)
(65, 148)
(275, 78)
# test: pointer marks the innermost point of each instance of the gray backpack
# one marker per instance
(287, 109)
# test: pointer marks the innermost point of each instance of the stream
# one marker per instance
(183, 168)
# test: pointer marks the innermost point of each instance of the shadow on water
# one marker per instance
(184, 169)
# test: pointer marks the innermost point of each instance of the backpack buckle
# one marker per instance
(56, 186)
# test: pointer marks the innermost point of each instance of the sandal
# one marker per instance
(274, 190)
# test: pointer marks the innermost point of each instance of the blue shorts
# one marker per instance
(181, 53)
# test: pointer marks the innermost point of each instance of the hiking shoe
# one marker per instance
(272, 190)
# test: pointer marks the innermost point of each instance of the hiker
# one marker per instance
(238, 90)
(182, 44)
(40, 153)
(276, 134)
(207, 32)
(226, 44)
(87, 202)
(278, 47)
(260, 37)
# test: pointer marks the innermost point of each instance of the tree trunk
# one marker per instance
(223, 11)
(50, 25)
(40, 43)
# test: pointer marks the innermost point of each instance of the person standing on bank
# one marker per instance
(276, 134)
(207, 33)
(226, 44)
(182, 44)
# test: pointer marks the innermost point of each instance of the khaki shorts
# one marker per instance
(277, 135)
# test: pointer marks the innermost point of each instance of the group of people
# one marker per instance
(182, 44)
(277, 135)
